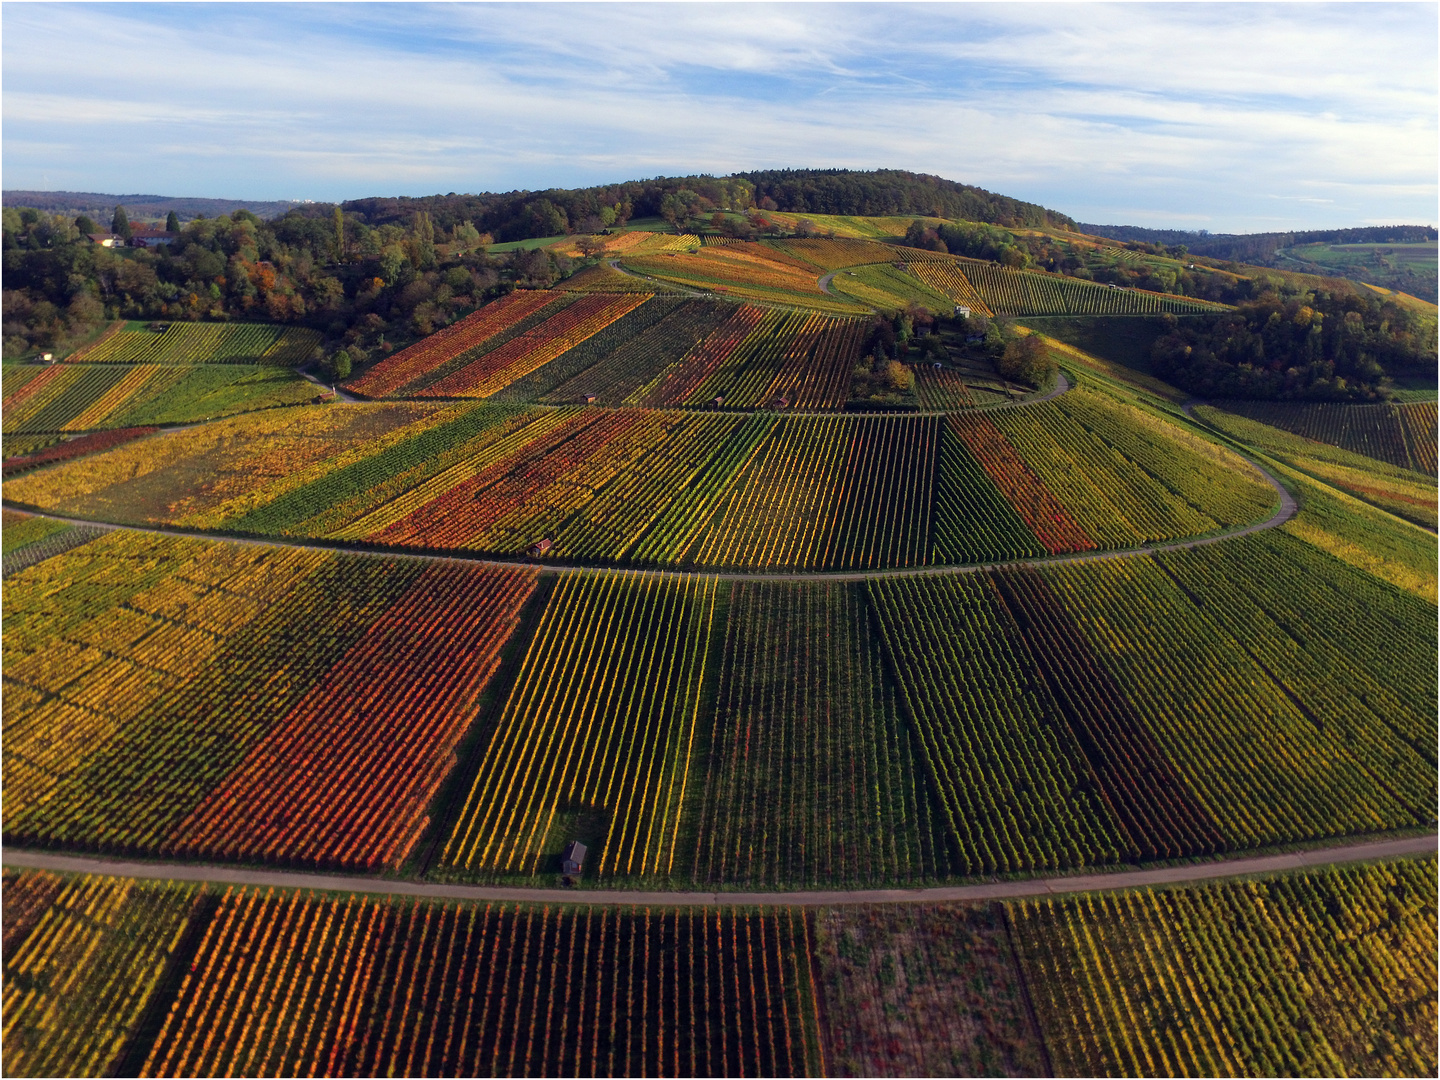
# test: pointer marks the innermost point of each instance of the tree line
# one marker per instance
(369, 289)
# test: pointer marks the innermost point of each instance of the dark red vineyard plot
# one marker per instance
(1163, 819)
(346, 777)
(415, 989)
(410, 364)
(1041, 511)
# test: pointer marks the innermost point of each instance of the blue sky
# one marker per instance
(1223, 117)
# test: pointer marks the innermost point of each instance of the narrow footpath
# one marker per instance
(1001, 890)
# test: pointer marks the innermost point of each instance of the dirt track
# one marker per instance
(1045, 886)
(1285, 512)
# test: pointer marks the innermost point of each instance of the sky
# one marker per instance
(1231, 118)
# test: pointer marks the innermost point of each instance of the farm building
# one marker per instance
(572, 859)
(151, 236)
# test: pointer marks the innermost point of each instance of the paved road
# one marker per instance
(1285, 512)
(1004, 890)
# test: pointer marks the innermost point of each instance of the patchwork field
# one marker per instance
(1321, 973)
(1147, 708)
(650, 487)
(626, 568)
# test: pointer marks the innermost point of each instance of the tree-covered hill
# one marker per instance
(520, 215)
(890, 192)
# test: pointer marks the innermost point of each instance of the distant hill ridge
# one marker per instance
(523, 215)
(141, 207)
(1254, 248)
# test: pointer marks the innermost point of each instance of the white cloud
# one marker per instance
(1191, 112)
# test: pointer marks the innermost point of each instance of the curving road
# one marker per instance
(1284, 513)
(1000, 890)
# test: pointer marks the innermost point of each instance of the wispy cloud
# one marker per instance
(1245, 116)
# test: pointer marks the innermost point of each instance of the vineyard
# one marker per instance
(75, 398)
(1403, 435)
(203, 343)
(942, 389)
(1344, 474)
(597, 734)
(1321, 972)
(252, 703)
(29, 540)
(404, 988)
(69, 449)
(488, 373)
(602, 277)
(950, 281)
(688, 488)
(811, 772)
(1019, 292)
(1271, 762)
(889, 288)
(633, 349)
(837, 254)
(1176, 705)
(83, 959)
(747, 271)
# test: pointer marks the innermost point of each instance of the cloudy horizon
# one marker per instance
(1224, 117)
